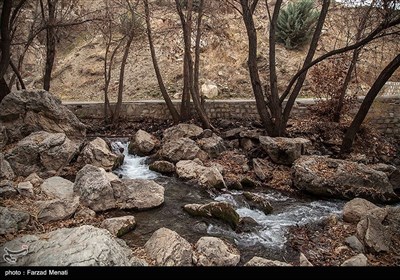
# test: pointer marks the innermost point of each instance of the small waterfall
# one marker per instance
(134, 167)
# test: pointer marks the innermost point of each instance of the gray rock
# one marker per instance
(40, 152)
(180, 149)
(341, 179)
(247, 224)
(3, 136)
(97, 153)
(57, 187)
(303, 261)
(119, 226)
(35, 180)
(284, 150)
(94, 188)
(358, 260)
(391, 171)
(258, 202)
(182, 130)
(6, 172)
(253, 134)
(212, 251)
(85, 213)
(263, 169)
(12, 220)
(24, 112)
(143, 144)
(7, 190)
(81, 246)
(209, 90)
(232, 133)
(167, 248)
(26, 189)
(139, 194)
(208, 177)
(257, 261)
(356, 209)
(213, 145)
(218, 210)
(355, 244)
(375, 236)
(163, 167)
(57, 209)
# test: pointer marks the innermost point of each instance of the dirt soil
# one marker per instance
(78, 72)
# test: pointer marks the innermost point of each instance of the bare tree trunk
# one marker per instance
(16, 72)
(274, 104)
(5, 44)
(253, 69)
(173, 111)
(118, 106)
(50, 43)
(194, 73)
(356, 53)
(367, 102)
(185, 103)
(311, 51)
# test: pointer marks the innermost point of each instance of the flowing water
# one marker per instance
(266, 240)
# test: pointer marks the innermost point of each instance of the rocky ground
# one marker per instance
(57, 188)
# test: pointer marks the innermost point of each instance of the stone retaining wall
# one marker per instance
(384, 115)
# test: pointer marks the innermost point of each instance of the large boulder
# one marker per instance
(182, 130)
(6, 172)
(373, 235)
(358, 260)
(58, 187)
(94, 188)
(212, 251)
(213, 145)
(81, 246)
(284, 150)
(208, 177)
(41, 152)
(12, 220)
(24, 112)
(143, 144)
(342, 179)
(57, 209)
(258, 261)
(391, 171)
(168, 248)
(180, 149)
(163, 167)
(356, 209)
(120, 225)
(97, 153)
(218, 210)
(138, 194)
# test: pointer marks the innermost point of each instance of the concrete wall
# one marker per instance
(384, 115)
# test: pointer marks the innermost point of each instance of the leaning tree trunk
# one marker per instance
(367, 102)
(173, 111)
(118, 106)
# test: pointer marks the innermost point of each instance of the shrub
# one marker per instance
(326, 83)
(296, 23)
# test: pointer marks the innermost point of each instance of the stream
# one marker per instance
(266, 240)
